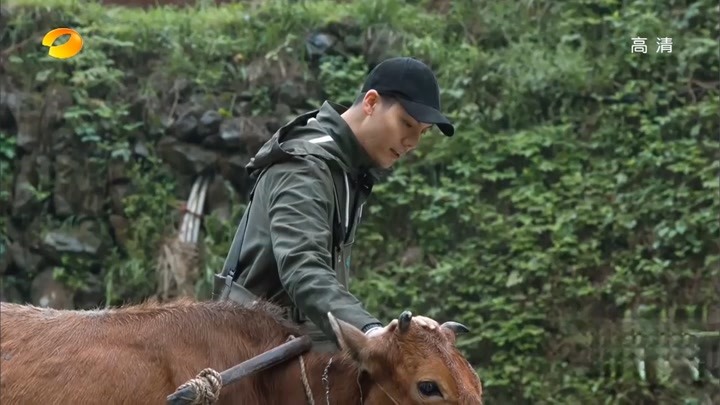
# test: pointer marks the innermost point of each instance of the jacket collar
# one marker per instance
(349, 150)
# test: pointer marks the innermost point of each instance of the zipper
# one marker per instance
(347, 204)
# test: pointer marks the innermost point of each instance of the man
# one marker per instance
(313, 176)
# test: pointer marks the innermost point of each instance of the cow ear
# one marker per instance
(350, 339)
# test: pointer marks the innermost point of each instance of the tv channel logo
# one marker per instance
(63, 51)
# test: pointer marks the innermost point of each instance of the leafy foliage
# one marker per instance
(7, 154)
(579, 194)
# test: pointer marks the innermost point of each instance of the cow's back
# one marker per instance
(68, 357)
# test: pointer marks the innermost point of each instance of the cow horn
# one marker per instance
(404, 321)
(457, 328)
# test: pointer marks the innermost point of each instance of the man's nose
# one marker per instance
(410, 143)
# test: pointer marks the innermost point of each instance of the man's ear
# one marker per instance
(350, 338)
(370, 101)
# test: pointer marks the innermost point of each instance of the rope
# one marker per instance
(306, 382)
(326, 381)
(206, 385)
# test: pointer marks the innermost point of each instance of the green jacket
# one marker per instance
(312, 181)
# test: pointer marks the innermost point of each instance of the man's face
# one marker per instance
(388, 132)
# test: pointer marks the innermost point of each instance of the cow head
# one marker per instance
(410, 364)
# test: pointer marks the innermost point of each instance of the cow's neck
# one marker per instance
(337, 380)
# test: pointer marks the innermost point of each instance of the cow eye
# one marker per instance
(429, 389)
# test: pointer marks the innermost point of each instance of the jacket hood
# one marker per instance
(322, 133)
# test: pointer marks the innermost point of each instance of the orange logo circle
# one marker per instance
(67, 50)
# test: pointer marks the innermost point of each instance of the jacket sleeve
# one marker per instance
(300, 210)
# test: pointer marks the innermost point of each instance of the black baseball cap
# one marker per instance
(415, 87)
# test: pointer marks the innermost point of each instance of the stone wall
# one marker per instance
(68, 189)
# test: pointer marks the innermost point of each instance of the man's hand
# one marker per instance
(426, 322)
(419, 320)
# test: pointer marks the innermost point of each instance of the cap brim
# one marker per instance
(428, 115)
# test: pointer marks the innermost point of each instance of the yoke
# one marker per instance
(196, 390)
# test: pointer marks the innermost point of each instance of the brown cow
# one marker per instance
(140, 354)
